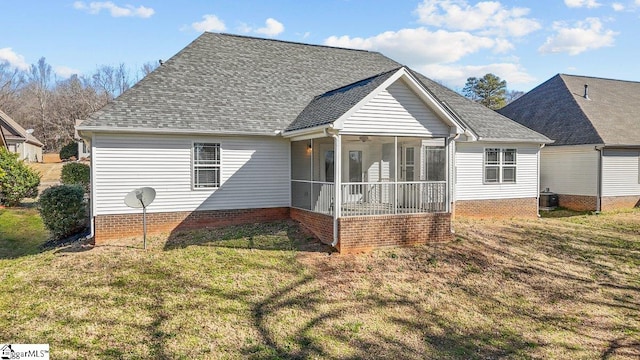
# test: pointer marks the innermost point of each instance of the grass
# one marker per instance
(562, 287)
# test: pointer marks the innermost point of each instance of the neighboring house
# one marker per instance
(3, 142)
(20, 141)
(84, 152)
(362, 151)
(594, 163)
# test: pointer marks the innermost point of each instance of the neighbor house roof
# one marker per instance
(11, 130)
(559, 109)
(242, 85)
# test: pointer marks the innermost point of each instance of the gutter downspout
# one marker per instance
(599, 149)
(451, 166)
(538, 181)
(337, 198)
(92, 190)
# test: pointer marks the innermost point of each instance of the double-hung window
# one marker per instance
(500, 165)
(206, 165)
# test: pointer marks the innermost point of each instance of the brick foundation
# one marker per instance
(578, 202)
(112, 227)
(358, 234)
(502, 208)
(610, 203)
(320, 225)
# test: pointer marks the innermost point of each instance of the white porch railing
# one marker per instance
(393, 198)
(371, 198)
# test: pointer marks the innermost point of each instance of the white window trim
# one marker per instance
(193, 166)
(500, 165)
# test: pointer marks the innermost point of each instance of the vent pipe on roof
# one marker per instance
(586, 91)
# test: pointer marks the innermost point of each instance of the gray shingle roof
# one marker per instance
(328, 107)
(236, 84)
(558, 109)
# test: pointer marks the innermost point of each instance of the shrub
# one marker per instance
(68, 151)
(18, 180)
(76, 173)
(63, 210)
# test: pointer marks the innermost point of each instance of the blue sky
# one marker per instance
(523, 42)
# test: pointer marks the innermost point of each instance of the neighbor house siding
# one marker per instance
(620, 172)
(569, 170)
(255, 173)
(396, 110)
(470, 184)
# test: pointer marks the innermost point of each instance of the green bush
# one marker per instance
(18, 181)
(76, 173)
(68, 151)
(63, 210)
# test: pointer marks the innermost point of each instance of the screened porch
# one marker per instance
(373, 175)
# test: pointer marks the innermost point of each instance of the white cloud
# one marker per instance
(638, 2)
(617, 6)
(65, 71)
(582, 3)
(209, 23)
(456, 75)
(272, 28)
(486, 17)
(14, 59)
(584, 35)
(116, 11)
(420, 46)
(244, 28)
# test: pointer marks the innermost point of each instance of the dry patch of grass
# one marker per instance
(551, 288)
(49, 172)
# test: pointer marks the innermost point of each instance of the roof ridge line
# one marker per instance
(576, 103)
(289, 42)
(599, 78)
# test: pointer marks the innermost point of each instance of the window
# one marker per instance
(206, 165)
(500, 165)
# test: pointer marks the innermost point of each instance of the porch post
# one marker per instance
(447, 150)
(337, 171)
(337, 192)
(397, 175)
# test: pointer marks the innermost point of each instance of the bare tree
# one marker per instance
(10, 83)
(36, 99)
(39, 81)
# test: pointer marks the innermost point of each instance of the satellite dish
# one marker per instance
(141, 198)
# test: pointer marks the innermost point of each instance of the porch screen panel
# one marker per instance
(301, 194)
(436, 163)
(301, 160)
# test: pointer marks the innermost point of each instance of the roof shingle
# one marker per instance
(558, 109)
(237, 84)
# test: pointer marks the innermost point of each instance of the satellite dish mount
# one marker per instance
(141, 198)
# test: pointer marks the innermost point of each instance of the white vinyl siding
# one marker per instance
(620, 172)
(395, 111)
(569, 170)
(470, 168)
(254, 172)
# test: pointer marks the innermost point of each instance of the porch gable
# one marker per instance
(395, 110)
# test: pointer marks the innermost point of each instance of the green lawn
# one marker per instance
(559, 287)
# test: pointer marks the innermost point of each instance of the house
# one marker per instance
(361, 150)
(83, 150)
(3, 142)
(20, 141)
(594, 162)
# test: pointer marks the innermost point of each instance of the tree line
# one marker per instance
(37, 99)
